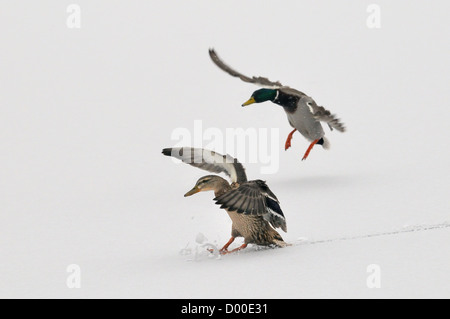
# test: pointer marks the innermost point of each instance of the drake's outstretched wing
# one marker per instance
(254, 198)
(261, 81)
(323, 115)
(209, 161)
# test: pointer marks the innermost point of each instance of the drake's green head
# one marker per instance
(261, 95)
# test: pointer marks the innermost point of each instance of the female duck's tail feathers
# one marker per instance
(280, 243)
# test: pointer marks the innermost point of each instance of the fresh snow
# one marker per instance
(86, 112)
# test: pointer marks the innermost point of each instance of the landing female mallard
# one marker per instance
(251, 205)
(303, 113)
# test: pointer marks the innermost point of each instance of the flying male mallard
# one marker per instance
(304, 115)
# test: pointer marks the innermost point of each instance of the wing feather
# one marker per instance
(258, 80)
(323, 115)
(254, 198)
(210, 161)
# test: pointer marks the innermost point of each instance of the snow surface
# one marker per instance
(86, 112)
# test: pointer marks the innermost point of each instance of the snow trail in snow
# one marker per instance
(203, 249)
(407, 229)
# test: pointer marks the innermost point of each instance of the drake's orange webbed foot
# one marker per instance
(309, 149)
(288, 140)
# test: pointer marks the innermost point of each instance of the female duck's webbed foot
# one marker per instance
(225, 251)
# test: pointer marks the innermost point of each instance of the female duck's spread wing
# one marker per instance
(261, 81)
(323, 115)
(210, 161)
(254, 198)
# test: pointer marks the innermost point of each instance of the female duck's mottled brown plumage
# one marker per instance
(253, 208)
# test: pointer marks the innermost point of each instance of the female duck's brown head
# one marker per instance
(210, 183)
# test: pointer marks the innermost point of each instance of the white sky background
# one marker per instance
(85, 113)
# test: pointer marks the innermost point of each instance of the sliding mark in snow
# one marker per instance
(406, 229)
(202, 249)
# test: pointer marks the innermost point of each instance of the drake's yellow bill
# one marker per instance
(250, 101)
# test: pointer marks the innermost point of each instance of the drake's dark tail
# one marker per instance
(324, 142)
